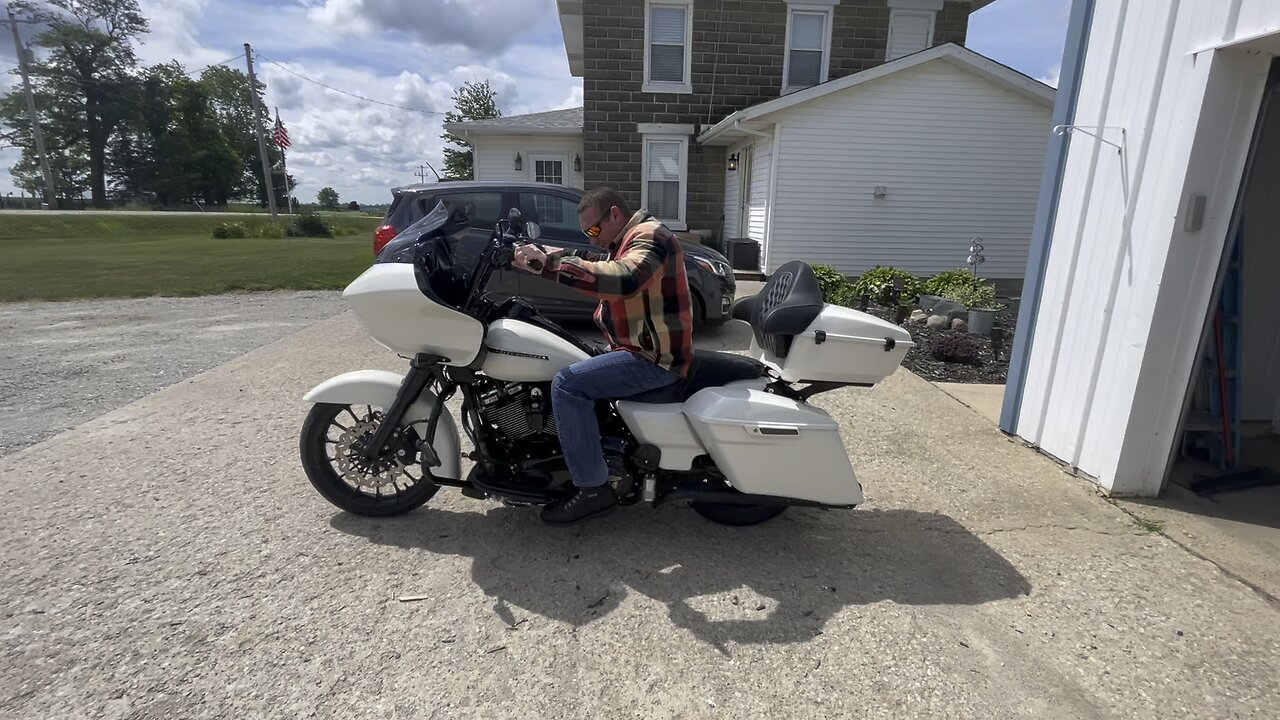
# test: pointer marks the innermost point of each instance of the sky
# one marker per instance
(412, 53)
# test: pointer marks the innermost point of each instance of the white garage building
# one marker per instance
(1148, 324)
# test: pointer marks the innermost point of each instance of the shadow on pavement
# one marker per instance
(775, 583)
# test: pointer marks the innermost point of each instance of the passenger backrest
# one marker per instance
(785, 306)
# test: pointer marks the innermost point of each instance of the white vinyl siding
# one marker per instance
(664, 181)
(808, 50)
(494, 156)
(668, 52)
(910, 31)
(1126, 286)
(961, 157)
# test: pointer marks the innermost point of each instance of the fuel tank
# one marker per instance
(520, 352)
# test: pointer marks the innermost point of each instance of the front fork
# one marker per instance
(422, 370)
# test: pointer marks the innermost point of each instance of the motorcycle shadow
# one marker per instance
(775, 583)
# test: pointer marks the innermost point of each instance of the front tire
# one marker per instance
(315, 443)
(737, 515)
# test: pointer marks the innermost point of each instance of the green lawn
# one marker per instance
(62, 257)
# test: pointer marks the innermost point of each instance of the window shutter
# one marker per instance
(666, 44)
(908, 33)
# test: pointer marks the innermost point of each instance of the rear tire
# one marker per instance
(320, 471)
(737, 515)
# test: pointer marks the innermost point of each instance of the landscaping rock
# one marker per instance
(950, 309)
(959, 325)
(937, 322)
(919, 316)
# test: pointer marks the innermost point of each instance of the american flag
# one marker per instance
(280, 135)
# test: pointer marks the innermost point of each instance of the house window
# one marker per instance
(664, 185)
(667, 49)
(808, 47)
(910, 31)
(548, 171)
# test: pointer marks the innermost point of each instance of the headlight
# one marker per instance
(714, 266)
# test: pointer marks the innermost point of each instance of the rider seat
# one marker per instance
(708, 369)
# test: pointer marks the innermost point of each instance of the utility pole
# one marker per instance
(23, 52)
(422, 172)
(268, 179)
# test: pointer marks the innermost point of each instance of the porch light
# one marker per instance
(733, 162)
(519, 162)
(577, 164)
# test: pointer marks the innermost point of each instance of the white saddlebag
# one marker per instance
(767, 444)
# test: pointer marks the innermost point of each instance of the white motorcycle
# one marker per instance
(736, 439)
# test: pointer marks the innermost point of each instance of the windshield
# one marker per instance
(403, 246)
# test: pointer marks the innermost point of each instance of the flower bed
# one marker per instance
(987, 370)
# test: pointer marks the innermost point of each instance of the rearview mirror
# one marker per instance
(532, 229)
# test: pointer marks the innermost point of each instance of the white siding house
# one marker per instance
(899, 165)
(1162, 110)
(540, 147)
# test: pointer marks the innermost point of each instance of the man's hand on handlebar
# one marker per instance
(531, 258)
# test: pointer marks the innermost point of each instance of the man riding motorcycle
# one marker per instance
(646, 315)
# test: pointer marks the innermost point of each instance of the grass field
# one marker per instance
(64, 257)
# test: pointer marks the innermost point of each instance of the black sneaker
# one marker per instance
(586, 503)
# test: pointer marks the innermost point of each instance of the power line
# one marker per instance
(344, 92)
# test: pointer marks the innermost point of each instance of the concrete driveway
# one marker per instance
(62, 363)
(169, 559)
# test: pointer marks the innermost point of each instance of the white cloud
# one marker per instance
(1051, 78)
(363, 149)
(487, 26)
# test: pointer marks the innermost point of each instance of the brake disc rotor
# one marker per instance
(358, 470)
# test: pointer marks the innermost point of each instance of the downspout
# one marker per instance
(1073, 56)
(773, 174)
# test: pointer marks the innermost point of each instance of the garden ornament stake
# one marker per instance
(997, 341)
(975, 255)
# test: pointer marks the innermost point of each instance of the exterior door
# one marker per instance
(551, 168)
(744, 190)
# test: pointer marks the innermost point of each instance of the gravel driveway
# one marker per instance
(64, 363)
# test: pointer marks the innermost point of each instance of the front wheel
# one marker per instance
(737, 515)
(333, 437)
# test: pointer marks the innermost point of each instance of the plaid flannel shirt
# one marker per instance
(643, 291)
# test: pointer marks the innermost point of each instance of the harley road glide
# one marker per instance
(736, 439)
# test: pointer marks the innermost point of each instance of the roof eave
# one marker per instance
(459, 128)
(571, 14)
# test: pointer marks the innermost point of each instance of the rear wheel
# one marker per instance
(737, 515)
(333, 437)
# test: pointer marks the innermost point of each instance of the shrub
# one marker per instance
(877, 283)
(977, 296)
(956, 349)
(230, 230)
(836, 288)
(310, 225)
(947, 280)
(271, 231)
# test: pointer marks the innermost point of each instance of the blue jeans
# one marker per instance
(574, 393)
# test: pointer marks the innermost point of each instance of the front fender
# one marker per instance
(379, 388)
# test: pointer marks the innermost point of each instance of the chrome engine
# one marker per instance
(518, 410)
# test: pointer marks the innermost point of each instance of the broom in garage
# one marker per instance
(1240, 479)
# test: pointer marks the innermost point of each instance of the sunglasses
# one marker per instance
(594, 230)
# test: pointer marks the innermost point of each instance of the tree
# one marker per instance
(353, 206)
(84, 81)
(328, 198)
(472, 101)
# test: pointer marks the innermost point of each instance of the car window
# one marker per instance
(481, 209)
(556, 215)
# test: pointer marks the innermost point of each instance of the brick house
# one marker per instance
(659, 75)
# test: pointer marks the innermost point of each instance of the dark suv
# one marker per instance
(555, 209)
